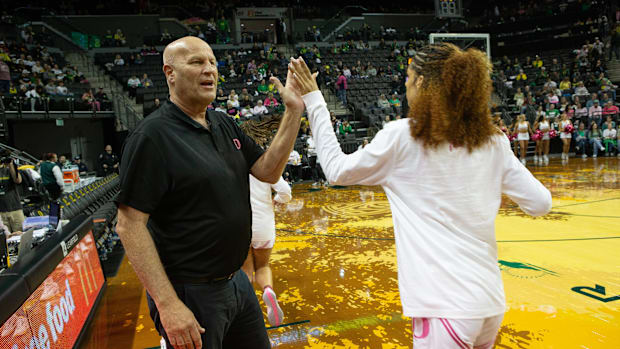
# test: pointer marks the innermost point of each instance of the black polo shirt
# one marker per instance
(194, 184)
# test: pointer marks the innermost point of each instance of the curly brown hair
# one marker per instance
(452, 103)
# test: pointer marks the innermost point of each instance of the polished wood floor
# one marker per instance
(334, 267)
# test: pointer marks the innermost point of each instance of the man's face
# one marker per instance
(108, 149)
(63, 159)
(193, 76)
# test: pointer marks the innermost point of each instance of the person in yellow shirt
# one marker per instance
(521, 75)
(565, 84)
(537, 62)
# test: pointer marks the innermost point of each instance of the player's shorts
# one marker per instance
(523, 136)
(439, 333)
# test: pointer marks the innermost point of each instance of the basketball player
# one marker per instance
(443, 169)
(256, 266)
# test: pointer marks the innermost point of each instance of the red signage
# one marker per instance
(53, 316)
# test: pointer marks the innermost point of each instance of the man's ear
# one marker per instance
(169, 73)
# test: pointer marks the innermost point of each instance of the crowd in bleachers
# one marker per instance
(244, 87)
(35, 79)
(574, 82)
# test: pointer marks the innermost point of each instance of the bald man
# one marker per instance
(184, 206)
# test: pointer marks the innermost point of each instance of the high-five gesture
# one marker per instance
(290, 93)
(305, 80)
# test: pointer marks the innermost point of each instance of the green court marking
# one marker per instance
(587, 202)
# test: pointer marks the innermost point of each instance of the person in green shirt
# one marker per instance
(552, 113)
(345, 128)
(394, 101)
(263, 88)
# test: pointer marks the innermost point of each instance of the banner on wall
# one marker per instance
(53, 316)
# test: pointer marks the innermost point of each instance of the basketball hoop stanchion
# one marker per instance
(481, 41)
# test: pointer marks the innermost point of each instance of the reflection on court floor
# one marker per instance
(334, 267)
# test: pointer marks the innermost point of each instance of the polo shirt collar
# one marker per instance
(180, 114)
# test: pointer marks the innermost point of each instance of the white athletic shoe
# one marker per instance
(594, 156)
(274, 312)
(546, 159)
(584, 156)
(602, 148)
(535, 158)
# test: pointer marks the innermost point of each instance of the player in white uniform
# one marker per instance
(443, 170)
(256, 266)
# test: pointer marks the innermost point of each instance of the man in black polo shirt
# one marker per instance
(184, 206)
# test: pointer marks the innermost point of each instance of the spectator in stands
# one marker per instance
(538, 63)
(580, 112)
(133, 83)
(581, 90)
(593, 98)
(146, 81)
(107, 161)
(519, 98)
(595, 138)
(11, 210)
(345, 128)
(221, 97)
(550, 84)
(595, 114)
(119, 38)
(565, 84)
(51, 88)
(609, 140)
(395, 101)
(270, 101)
(371, 71)
(606, 85)
(262, 87)
(102, 97)
(293, 167)
(246, 101)
(604, 99)
(564, 107)
(108, 38)
(260, 109)
(581, 137)
(341, 87)
(521, 77)
(383, 102)
(5, 77)
(51, 176)
(91, 101)
(610, 110)
(33, 96)
(346, 72)
(552, 112)
(82, 168)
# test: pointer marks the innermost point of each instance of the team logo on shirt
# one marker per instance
(524, 270)
(237, 143)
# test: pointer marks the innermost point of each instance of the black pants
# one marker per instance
(294, 172)
(228, 310)
(317, 171)
(54, 190)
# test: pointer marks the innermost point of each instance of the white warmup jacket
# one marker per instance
(444, 202)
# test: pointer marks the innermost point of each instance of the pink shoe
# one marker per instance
(274, 312)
